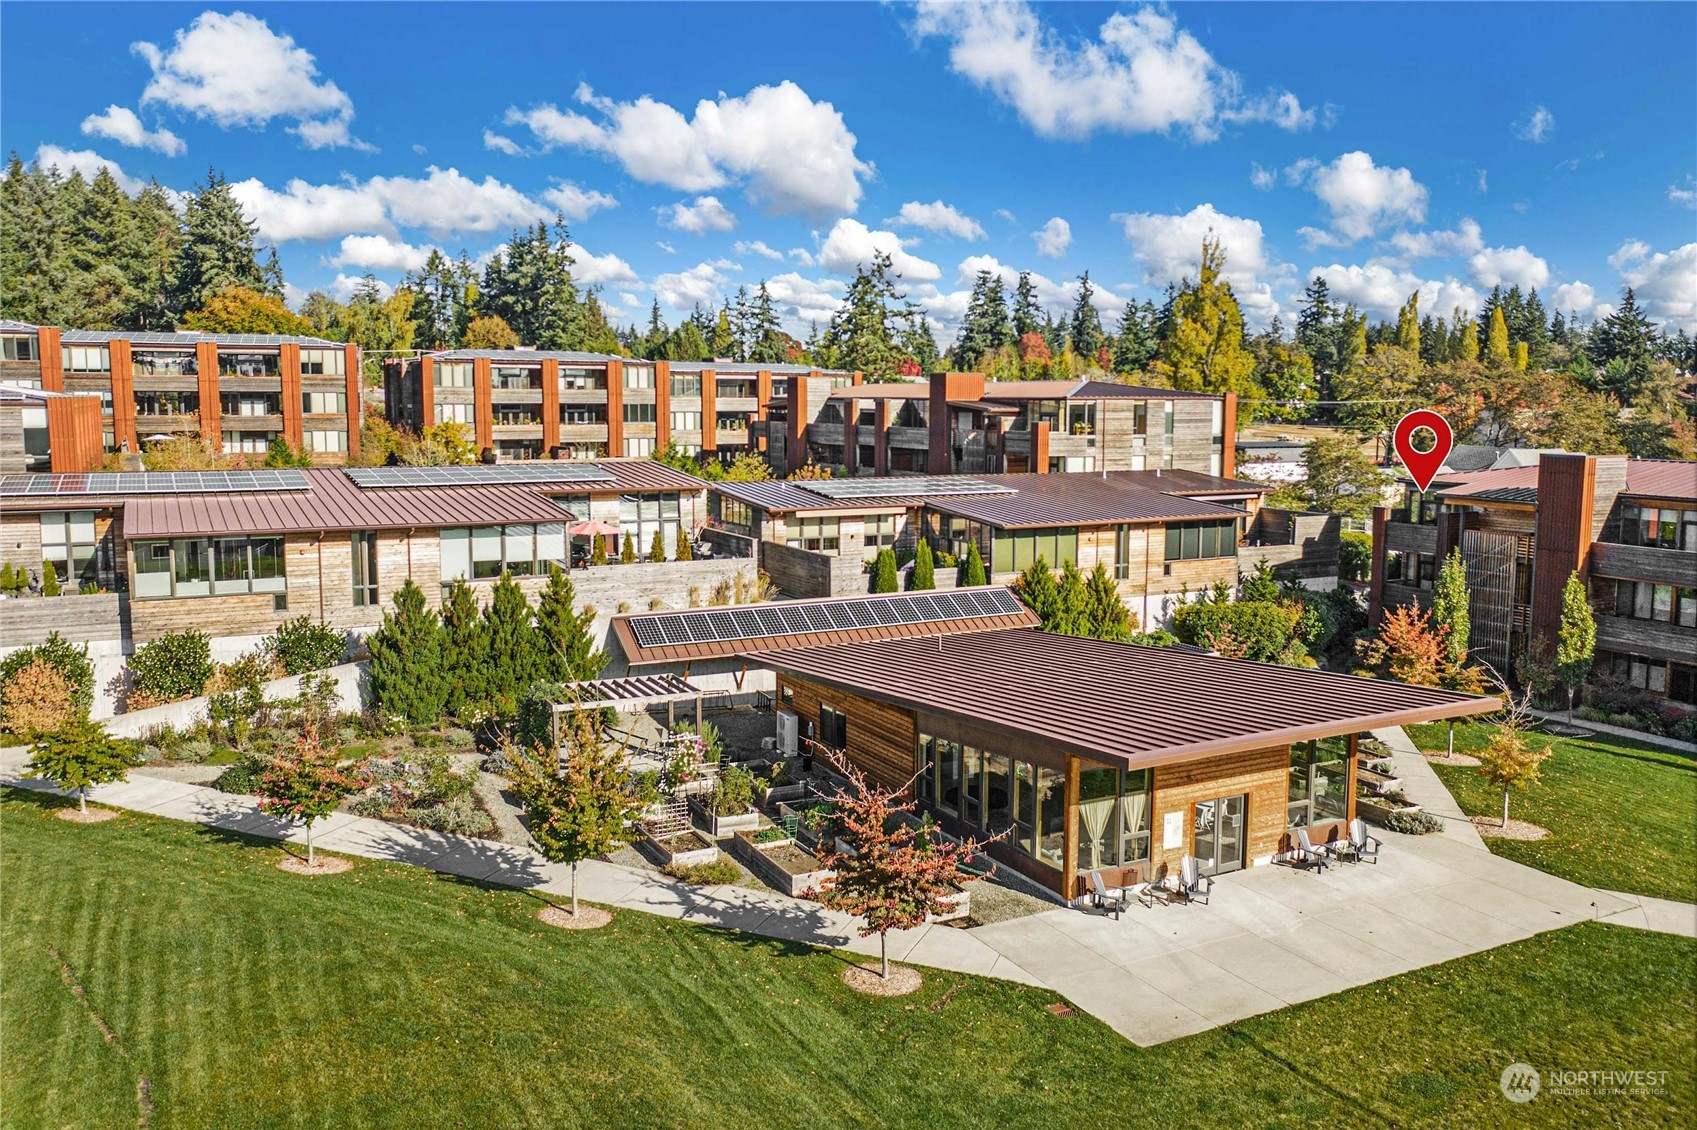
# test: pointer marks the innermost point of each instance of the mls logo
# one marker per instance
(1520, 1082)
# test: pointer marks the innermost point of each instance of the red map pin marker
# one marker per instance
(1423, 465)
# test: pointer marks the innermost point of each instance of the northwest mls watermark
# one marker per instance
(1521, 1083)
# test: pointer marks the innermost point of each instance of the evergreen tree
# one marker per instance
(971, 568)
(918, 342)
(884, 577)
(686, 343)
(627, 550)
(923, 575)
(528, 284)
(985, 327)
(1260, 586)
(153, 274)
(1135, 345)
(724, 336)
(1027, 314)
(443, 291)
(1085, 333)
(516, 660)
(218, 247)
(657, 549)
(408, 672)
(862, 331)
(465, 653)
(1073, 615)
(567, 634)
(768, 344)
(655, 343)
(1107, 616)
(1408, 325)
(1036, 587)
(1496, 342)
(1204, 352)
(1464, 343)
(1535, 334)
(1625, 336)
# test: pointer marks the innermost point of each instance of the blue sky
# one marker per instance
(695, 148)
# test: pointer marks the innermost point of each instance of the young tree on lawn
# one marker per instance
(1449, 608)
(1576, 639)
(408, 678)
(582, 809)
(309, 781)
(884, 571)
(971, 569)
(79, 756)
(924, 575)
(1510, 759)
(890, 877)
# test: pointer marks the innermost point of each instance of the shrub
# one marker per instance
(49, 579)
(304, 644)
(175, 666)
(733, 792)
(1261, 631)
(1355, 556)
(458, 817)
(236, 692)
(13, 582)
(598, 554)
(37, 700)
(686, 551)
(70, 660)
(657, 549)
(627, 550)
(714, 874)
(242, 779)
(1414, 823)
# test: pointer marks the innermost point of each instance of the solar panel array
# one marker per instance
(666, 629)
(902, 487)
(152, 482)
(542, 471)
(98, 337)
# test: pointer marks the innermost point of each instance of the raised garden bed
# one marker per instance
(1376, 782)
(722, 826)
(1380, 809)
(782, 864)
(782, 794)
(685, 848)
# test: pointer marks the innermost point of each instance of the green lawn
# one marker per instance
(390, 996)
(1621, 812)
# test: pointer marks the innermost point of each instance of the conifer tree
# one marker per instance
(49, 579)
(567, 633)
(1036, 587)
(409, 677)
(1449, 608)
(218, 247)
(1465, 346)
(1107, 615)
(1027, 314)
(1135, 344)
(627, 550)
(515, 658)
(884, 571)
(1496, 342)
(1204, 352)
(861, 335)
(767, 342)
(1073, 615)
(971, 568)
(1085, 333)
(528, 284)
(465, 653)
(657, 548)
(1259, 586)
(1408, 325)
(924, 574)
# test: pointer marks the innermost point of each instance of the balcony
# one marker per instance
(1656, 639)
(1643, 563)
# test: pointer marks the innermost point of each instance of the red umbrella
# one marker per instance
(593, 529)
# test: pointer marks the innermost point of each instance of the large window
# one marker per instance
(833, 727)
(511, 450)
(641, 515)
(1319, 782)
(738, 386)
(250, 403)
(913, 414)
(515, 377)
(1421, 508)
(1016, 550)
(324, 363)
(639, 414)
(582, 380)
(455, 413)
(1660, 529)
(686, 384)
(1190, 541)
(582, 414)
(324, 440)
(989, 791)
(639, 447)
(235, 363)
(639, 376)
(817, 534)
(1113, 817)
(880, 532)
(248, 443)
(167, 403)
(68, 539)
(365, 569)
(507, 414)
(18, 348)
(188, 567)
(164, 363)
(453, 374)
(686, 421)
(324, 403)
(1671, 604)
(731, 421)
(86, 359)
(1676, 680)
(734, 512)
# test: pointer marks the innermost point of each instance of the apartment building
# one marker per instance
(534, 404)
(239, 390)
(1628, 526)
(961, 423)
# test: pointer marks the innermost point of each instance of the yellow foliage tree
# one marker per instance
(1496, 341)
(239, 310)
(38, 699)
(1204, 352)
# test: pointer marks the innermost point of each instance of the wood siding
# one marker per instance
(882, 740)
(1262, 774)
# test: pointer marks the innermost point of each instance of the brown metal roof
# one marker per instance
(884, 390)
(638, 656)
(1080, 389)
(1079, 499)
(1120, 704)
(641, 475)
(1674, 479)
(777, 496)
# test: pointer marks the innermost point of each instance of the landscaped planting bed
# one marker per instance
(685, 849)
(782, 864)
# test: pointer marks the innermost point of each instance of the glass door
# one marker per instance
(1219, 834)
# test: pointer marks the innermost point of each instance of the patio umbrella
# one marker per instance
(593, 529)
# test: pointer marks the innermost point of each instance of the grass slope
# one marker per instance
(390, 996)
(1621, 812)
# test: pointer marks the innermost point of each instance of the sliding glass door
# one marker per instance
(1219, 834)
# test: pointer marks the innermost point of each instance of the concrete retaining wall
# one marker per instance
(350, 687)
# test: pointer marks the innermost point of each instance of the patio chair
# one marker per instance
(1104, 897)
(1192, 884)
(1360, 845)
(1318, 857)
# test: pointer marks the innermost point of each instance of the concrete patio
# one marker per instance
(1271, 936)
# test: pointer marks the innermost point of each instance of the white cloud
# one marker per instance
(1484, 181)
(1141, 74)
(121, 125)
(629, 299)
(589, 269)
(1509, 266)
(575, 203)
(502, 144)
(666, 247)
(705, 215)
(1666, 285)
(791, 154)
(938, 217)
(1263, 179)
(756, 247)
(234, 70)
(1466, 239)
(1053, 238)
(727, 264)
(802, 299)
(88, 163)
(1573, 297)
(1004, 214)
(1380, 289)
(683, 289)
(1686, 195)
(1362, 197)
(419, 149)
(1630, 252)
(444, 201)
(1537, 127)
(342, 287)
(1170, 249)
(802, 256)
(379, 253)
(851, 245)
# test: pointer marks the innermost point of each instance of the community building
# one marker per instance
(1627, 526)
(531, 404)
(961, 423)
(240, 391)
(1089, 756)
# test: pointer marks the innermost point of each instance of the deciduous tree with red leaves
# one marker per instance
(309, 781)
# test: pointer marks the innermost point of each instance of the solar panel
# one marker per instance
(152, 482)
(765, 621)
(541, 471)
(870, 488)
